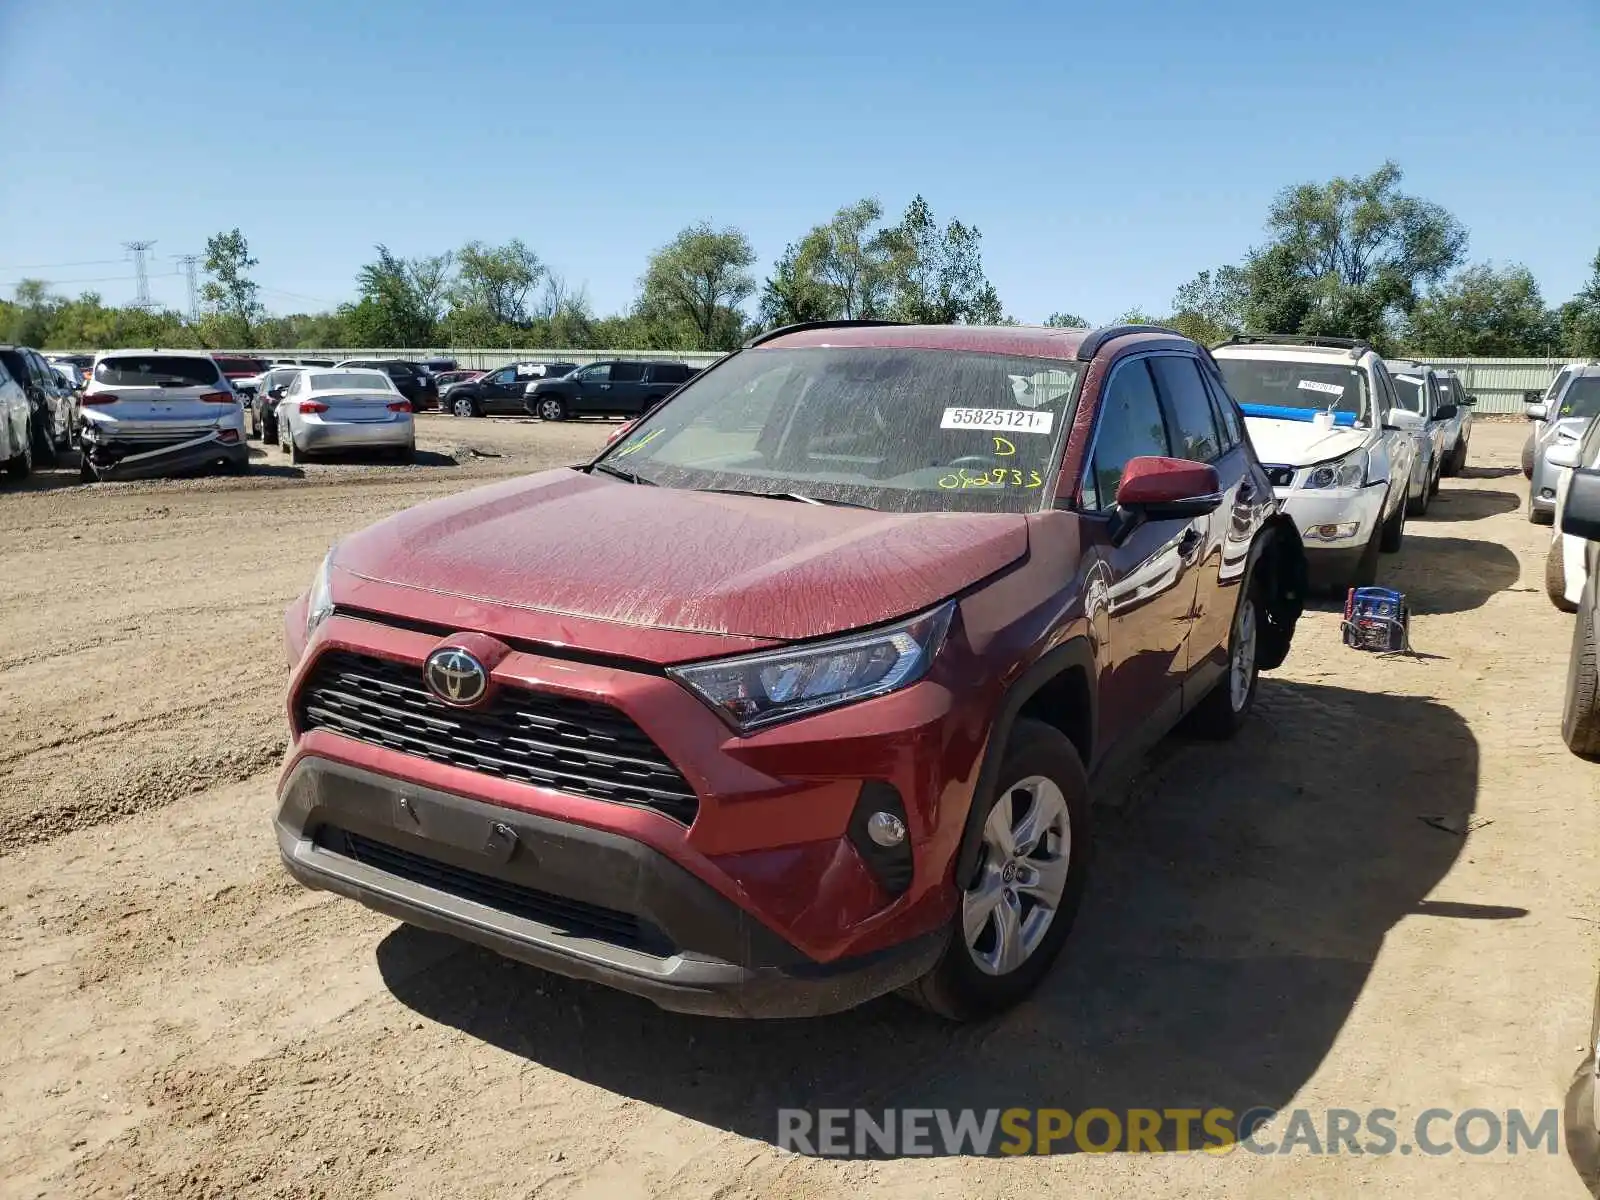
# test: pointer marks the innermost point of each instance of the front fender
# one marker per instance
(1280, 556)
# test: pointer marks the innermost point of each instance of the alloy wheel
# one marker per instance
(1027, 841)
(1242, 668)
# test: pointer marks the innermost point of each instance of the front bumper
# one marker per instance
(581, 902)
(115, 459)
(1335, 525)
(1544, 485)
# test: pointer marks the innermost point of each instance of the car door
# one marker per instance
(627, 395)
(1194, 404)
(1140, 590)
(501, 391)
(591, 389)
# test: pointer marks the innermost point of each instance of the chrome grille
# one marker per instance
(574, 746)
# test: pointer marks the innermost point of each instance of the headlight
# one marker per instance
(319, 604)
(760, 689)
(1349, 471)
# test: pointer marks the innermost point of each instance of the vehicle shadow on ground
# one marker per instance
(1489, 472)
(1236, 907)
(1472, 504)
(1446, 574)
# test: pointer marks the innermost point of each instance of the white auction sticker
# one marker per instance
(1330, 389)
(1012, 420)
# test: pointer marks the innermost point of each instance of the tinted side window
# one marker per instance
(1131, 426)
(1223, 408)
(1188, 406)
(668, 373)
(627, 372)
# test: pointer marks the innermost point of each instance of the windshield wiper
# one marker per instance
(795, 496)
(628, 476)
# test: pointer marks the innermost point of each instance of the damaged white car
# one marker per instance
(157, 412)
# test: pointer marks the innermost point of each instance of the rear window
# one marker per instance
(155, 370)
(669, 372)
(353, 381)
(241, 366)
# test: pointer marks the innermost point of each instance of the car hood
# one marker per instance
(1300, 443)
(569, 543)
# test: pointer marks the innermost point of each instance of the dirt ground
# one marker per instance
(1271, 922)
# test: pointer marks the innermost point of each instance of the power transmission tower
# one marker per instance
(140, 274)
(189, 262)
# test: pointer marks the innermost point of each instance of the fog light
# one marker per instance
(1332, 533)
(886, 829)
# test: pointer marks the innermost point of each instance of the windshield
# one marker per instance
(893, 429)
(155, 370)
(1582, 398)
(1299, 387)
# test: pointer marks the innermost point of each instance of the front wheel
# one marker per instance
(1580, 716)
(552, 408)
(1417, 506)
(1394, 531)
(44, 440)
(1555, 577)
(1013, 917)
(462, 406)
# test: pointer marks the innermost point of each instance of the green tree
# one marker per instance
(497, 281)
(693, 287)
(33, 313)
(794, 291)
(402, 300)
(1066, 320)
(1344, 257)
(935, 276)
(1484, 312)
(851, 259)
(1211, 307)
(1579, 318)
(229, 292)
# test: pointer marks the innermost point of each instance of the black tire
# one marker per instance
(1580, 715)
(1366, 572)
(1555, 578)
(256, 430)
(957, 988)
(20, 466)
(1222, 713)
(465, 406)
(406, 455)
(86, 469)
(550, 408)
(1433, 484)
(269, 433)
(1538, 517)
(1418, 506)
(44, 441)
(1394, 531)
(1457, 462)
(1527, 458)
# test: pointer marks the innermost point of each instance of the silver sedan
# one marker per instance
(329, 410)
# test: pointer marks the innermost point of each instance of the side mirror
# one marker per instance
(1447, 412)
(1532, 397)
(1166, 489)
(1470, 401)
(1536, 412)
(1581, 517)
(1563, 454)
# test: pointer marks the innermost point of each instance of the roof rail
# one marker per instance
(803, 326)
(1090, 346)
(1357, 346)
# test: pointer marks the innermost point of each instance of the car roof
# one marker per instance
(315, 372)
(1028, 341)
(147, 352)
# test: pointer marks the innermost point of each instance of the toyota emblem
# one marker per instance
(455, 676)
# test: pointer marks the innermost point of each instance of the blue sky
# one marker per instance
(1106, 152)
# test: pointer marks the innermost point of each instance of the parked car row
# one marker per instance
(555, 391)
(1353, 444)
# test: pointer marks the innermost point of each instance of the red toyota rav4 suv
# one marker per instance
(796, 694)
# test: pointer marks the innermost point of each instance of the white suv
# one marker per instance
(1319, 412)
(154, 412)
